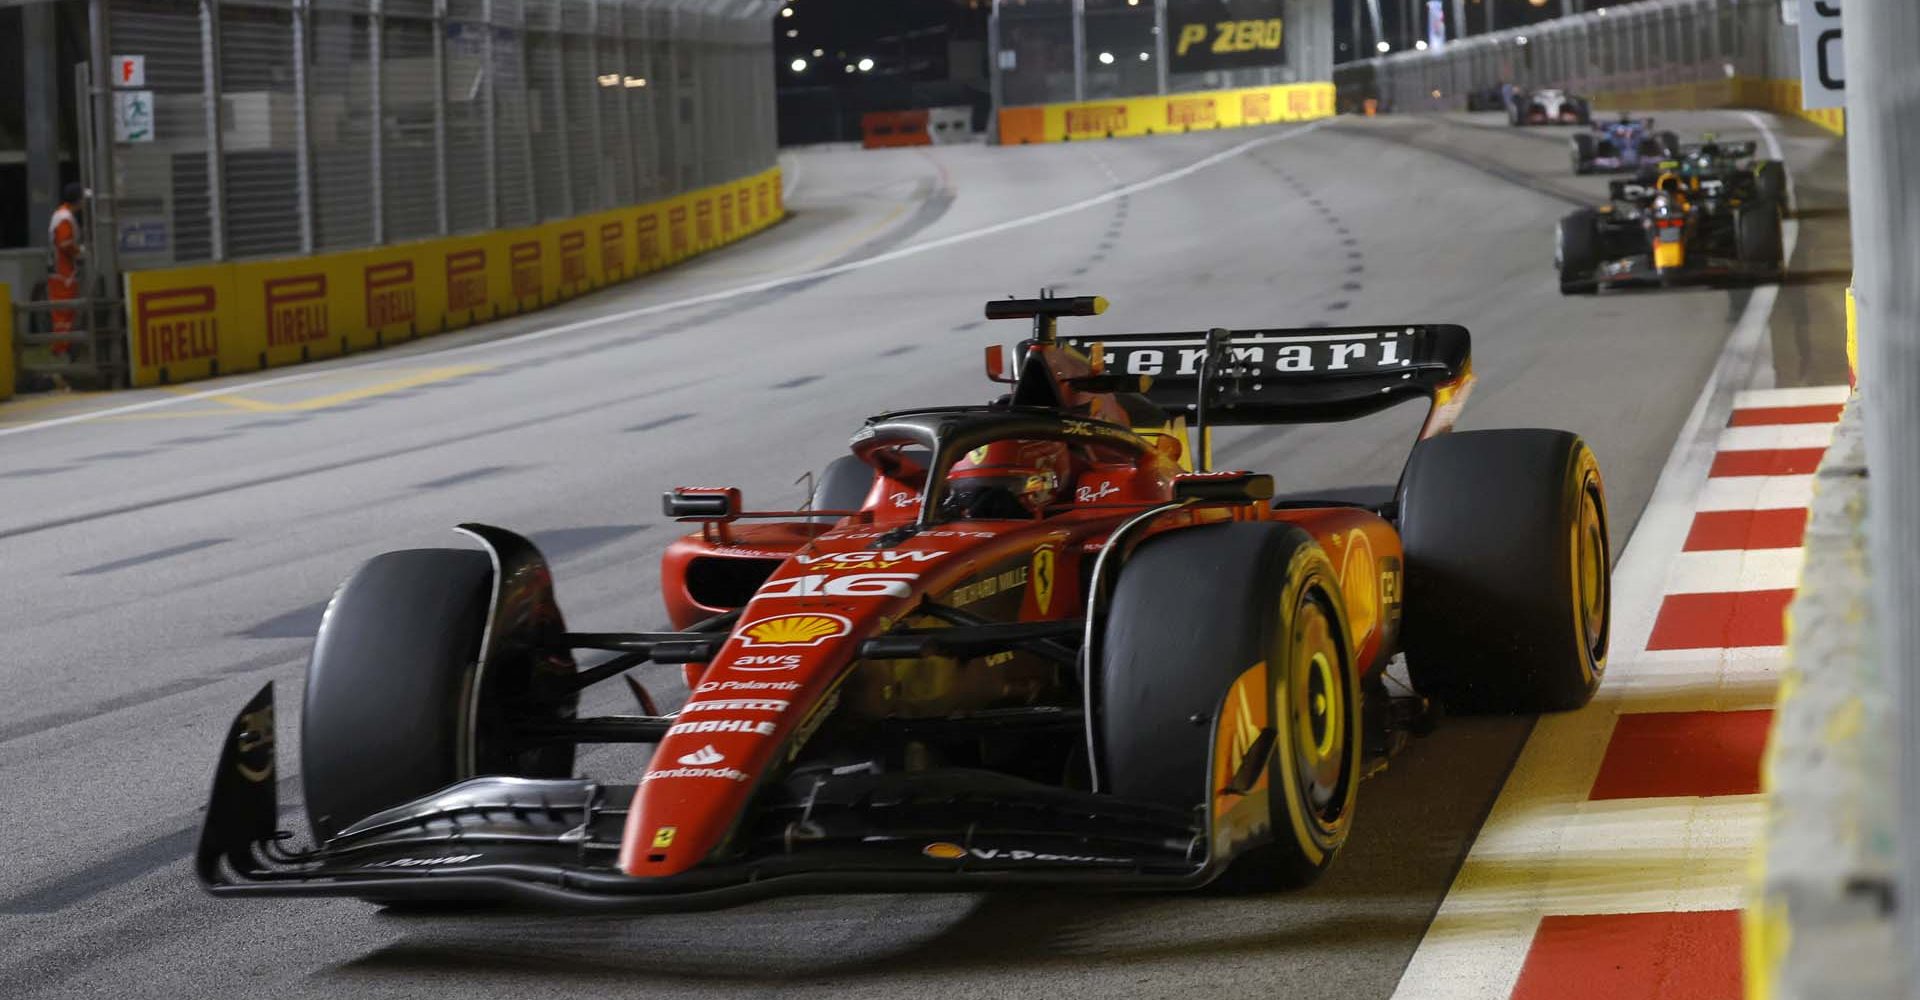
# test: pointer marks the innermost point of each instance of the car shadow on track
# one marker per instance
(868, 937)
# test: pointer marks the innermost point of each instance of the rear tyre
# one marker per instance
(1651, 149)
(1195, 614)
(1509, 578)
(391, 711)
(1770, 183)
(1583, 154)
(1670, 145)
(1757, 232)
(1577, 251)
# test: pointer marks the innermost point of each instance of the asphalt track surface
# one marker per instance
(163, 563)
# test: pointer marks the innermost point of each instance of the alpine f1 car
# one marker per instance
(1547, 107)
(1673, 231)
(1622, 145)
(1033, 642)
(1733, 166)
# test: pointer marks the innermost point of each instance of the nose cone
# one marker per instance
(770, 686)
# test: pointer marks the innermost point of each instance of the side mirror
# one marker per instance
(702, 503)
(1232, 487)
(1000, 364)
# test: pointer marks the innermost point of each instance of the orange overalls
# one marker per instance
(63, 284)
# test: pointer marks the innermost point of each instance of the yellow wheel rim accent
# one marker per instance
(1315, 700)
(1590, 575)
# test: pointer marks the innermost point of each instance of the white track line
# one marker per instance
(1471, 951)
(543, 333)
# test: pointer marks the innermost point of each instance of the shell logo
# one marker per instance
(943, 851)
(794, 630)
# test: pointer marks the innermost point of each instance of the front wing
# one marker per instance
(555, 842)
(1638, 269)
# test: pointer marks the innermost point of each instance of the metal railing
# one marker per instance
(1625, 47)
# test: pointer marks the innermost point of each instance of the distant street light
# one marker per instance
(1106, 58)
(817, 53)
(1382, 46)
(786, 12)
(866, 65)
(799, 65)
(1420, 44)
(1144, 57)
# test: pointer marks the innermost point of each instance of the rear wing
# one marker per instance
(1312, 375)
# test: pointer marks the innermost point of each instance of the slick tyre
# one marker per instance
(1508, 571)
(1577, 251)
(1225, 665)
(1770, 184)
(391, 709)
(1669, 145)
(1583, 154)
(1757, 230)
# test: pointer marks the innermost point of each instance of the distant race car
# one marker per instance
(1547, 107)
(1673, 231)
(1625, 144)
(1033, 642)
(1733, 164)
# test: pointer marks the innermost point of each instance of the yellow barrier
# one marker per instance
(1132, 116)
(196, 322)
(6, 342)
(1780, 96)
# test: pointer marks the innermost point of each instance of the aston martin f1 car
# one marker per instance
(1622, 145)
(1547, 107)
(1674, 231)
(1733, 166)
(1033, 642)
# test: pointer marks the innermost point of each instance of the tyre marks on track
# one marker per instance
(1341, 235)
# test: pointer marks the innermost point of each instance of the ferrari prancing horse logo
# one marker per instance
(1042, 575)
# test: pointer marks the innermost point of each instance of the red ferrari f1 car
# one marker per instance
(1034, 642)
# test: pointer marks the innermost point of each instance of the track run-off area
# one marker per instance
(168, 551)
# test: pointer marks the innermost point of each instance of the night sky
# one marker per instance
(909, 37)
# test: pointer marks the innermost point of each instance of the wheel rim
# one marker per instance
(1591, 579)
(1318, 706)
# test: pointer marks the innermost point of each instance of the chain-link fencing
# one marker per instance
(1628, 48)
(289, 127)
(1053, 51)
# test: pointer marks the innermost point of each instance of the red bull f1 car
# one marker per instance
(1676, 230)
(1032, 642)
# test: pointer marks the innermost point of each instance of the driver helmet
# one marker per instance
(1006, 479)
(1669, 183)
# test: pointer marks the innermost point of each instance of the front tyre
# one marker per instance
(1509, 570)
(1577, 252)
(1227, 684)
(395, 708)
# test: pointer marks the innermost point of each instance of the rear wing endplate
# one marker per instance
(1312, 375)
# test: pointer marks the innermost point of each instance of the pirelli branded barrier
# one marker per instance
(1778, 96)
(196, 322)
(1131, 116)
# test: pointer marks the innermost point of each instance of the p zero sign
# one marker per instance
(1210, 35)
(1823, 65)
